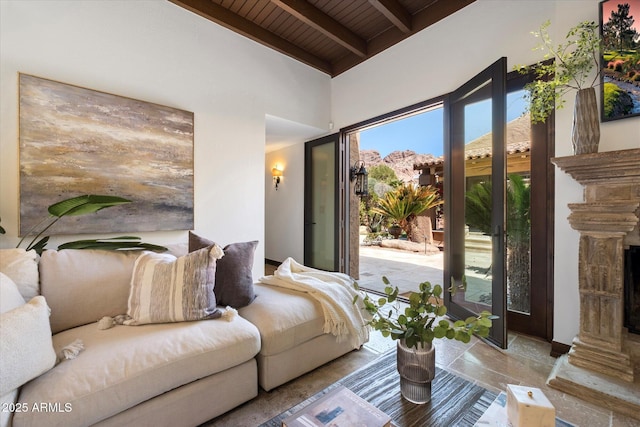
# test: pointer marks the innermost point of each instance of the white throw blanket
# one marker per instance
(334, 292)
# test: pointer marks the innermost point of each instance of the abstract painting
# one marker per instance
(76, 141)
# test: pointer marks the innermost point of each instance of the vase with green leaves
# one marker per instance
(415, 325)
(567, 67)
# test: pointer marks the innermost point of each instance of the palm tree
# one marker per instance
(518, 243)
(405, 202)
(478, 215)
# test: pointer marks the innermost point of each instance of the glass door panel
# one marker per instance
(478, 248)
(518, 197)
(321, 204)
(474, 199)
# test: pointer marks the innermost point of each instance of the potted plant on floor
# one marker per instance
(567, 67)
(415, 328)
(404, 203)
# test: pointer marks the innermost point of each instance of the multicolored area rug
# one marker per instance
(454, 401)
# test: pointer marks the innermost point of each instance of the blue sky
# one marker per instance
(423, 133)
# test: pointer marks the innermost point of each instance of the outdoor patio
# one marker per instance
(407, 270)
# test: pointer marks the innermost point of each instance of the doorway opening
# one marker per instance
(528, 186)
(395, 235)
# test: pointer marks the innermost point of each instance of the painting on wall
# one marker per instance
(76, 141)
(620, 33)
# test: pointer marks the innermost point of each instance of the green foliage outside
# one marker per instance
(405, 202)
(478, 215)
(382, 179)
(382, 173)
(478, 207)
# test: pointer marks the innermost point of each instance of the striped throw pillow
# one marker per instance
(168, 289)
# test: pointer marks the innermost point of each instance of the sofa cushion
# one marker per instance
(22, 267)
(169, 289)
(124, 366)
(10, 296)
(234, 277)
(25, 346)
(82, 286)
(284, 317)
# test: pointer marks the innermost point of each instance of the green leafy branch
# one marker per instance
(566, 67)
(419, 322)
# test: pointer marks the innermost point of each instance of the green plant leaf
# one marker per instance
(437, 290)
(86, 204)
(439, 332)
(39, 245)
(118, 243)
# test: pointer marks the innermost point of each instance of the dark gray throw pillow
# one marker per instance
(234, 279)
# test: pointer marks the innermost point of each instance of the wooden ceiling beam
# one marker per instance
(394, 12)
(428, 16)
(218, 14)
(322, 22)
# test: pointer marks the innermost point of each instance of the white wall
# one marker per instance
(158, 52)
(284, 208)
(440, 58)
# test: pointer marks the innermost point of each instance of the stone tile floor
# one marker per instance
(525, 362)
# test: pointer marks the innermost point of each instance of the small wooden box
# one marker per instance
(529, 407)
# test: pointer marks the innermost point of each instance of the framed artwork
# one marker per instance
(75, 141)
(620, 59)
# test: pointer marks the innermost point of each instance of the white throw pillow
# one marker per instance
(169, 289)
(10, 297)
(22, 267)
(26, 345)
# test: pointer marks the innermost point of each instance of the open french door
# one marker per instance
(477, 258)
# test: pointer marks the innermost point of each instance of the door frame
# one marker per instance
(542, 202)
(454, 192)
(308, 198)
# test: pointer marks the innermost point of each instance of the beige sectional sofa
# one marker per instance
(163, 374)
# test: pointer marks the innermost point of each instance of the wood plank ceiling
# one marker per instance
(330, 35)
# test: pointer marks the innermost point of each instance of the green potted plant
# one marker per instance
(415, 327)
(568, 67)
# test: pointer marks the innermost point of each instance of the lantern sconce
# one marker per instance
(276, 172)
(358, 173)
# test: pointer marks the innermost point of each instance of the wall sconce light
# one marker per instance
(359, 173)
(277, 173)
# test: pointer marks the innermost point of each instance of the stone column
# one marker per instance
(599, 345)
(599, 366)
